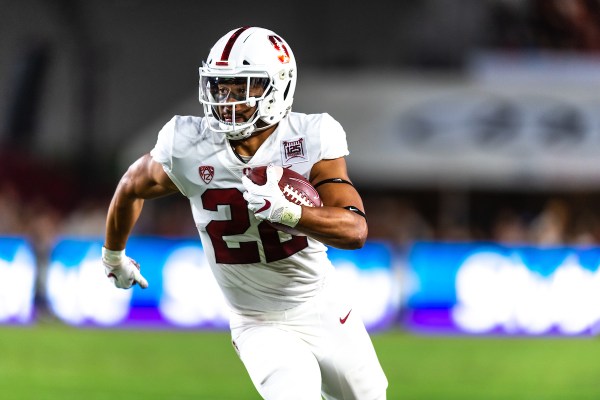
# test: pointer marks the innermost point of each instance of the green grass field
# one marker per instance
(53, 361)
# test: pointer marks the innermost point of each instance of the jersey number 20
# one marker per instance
(247, 252)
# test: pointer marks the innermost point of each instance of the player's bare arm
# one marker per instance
(333, 224)
(144, 179)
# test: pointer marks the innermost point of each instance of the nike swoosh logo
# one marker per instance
(343, 320)
(265, 207)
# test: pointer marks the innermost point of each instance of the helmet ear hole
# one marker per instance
(268, 106)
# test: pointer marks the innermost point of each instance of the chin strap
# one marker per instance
(251, 130)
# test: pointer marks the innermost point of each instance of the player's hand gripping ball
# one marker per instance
(291, 191)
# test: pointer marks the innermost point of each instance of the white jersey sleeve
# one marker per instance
(333, 139)
(163, 149)
(174, 142)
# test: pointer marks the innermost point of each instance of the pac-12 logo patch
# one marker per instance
(293, 151)
(207, 172)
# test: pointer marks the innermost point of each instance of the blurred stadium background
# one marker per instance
(474, 128)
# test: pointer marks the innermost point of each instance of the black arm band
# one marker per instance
(333, 180)
(356, 210)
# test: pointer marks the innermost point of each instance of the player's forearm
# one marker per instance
(334, 226)
(123, 213)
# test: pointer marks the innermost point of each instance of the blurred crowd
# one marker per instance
(34, 203)
(547, 24)
(521, 218)
(42, 221)
(400, 217)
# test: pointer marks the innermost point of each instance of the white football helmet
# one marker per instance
(248, 66)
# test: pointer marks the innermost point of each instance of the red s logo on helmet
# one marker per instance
(283, 56)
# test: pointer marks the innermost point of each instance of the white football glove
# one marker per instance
(267, 202)
(123, 271)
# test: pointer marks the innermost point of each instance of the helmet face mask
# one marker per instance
(247, 83)
(219, 89)
(232, 101)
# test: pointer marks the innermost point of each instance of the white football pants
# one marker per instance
(318, 348)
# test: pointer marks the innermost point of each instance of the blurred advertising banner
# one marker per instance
(17, 281)
(476, 130)
(486, 288)
(183, 292)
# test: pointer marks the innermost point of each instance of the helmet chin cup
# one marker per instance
(233, 132)
(240, 134)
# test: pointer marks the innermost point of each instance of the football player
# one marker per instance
(292, 323)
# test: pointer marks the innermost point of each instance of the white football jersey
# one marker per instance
(258, 268)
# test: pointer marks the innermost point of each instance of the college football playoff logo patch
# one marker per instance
(206, 173)
(293, 151)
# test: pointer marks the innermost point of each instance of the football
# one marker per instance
(295, 187)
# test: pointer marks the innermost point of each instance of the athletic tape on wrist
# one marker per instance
(112, 256)
(290, 215)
